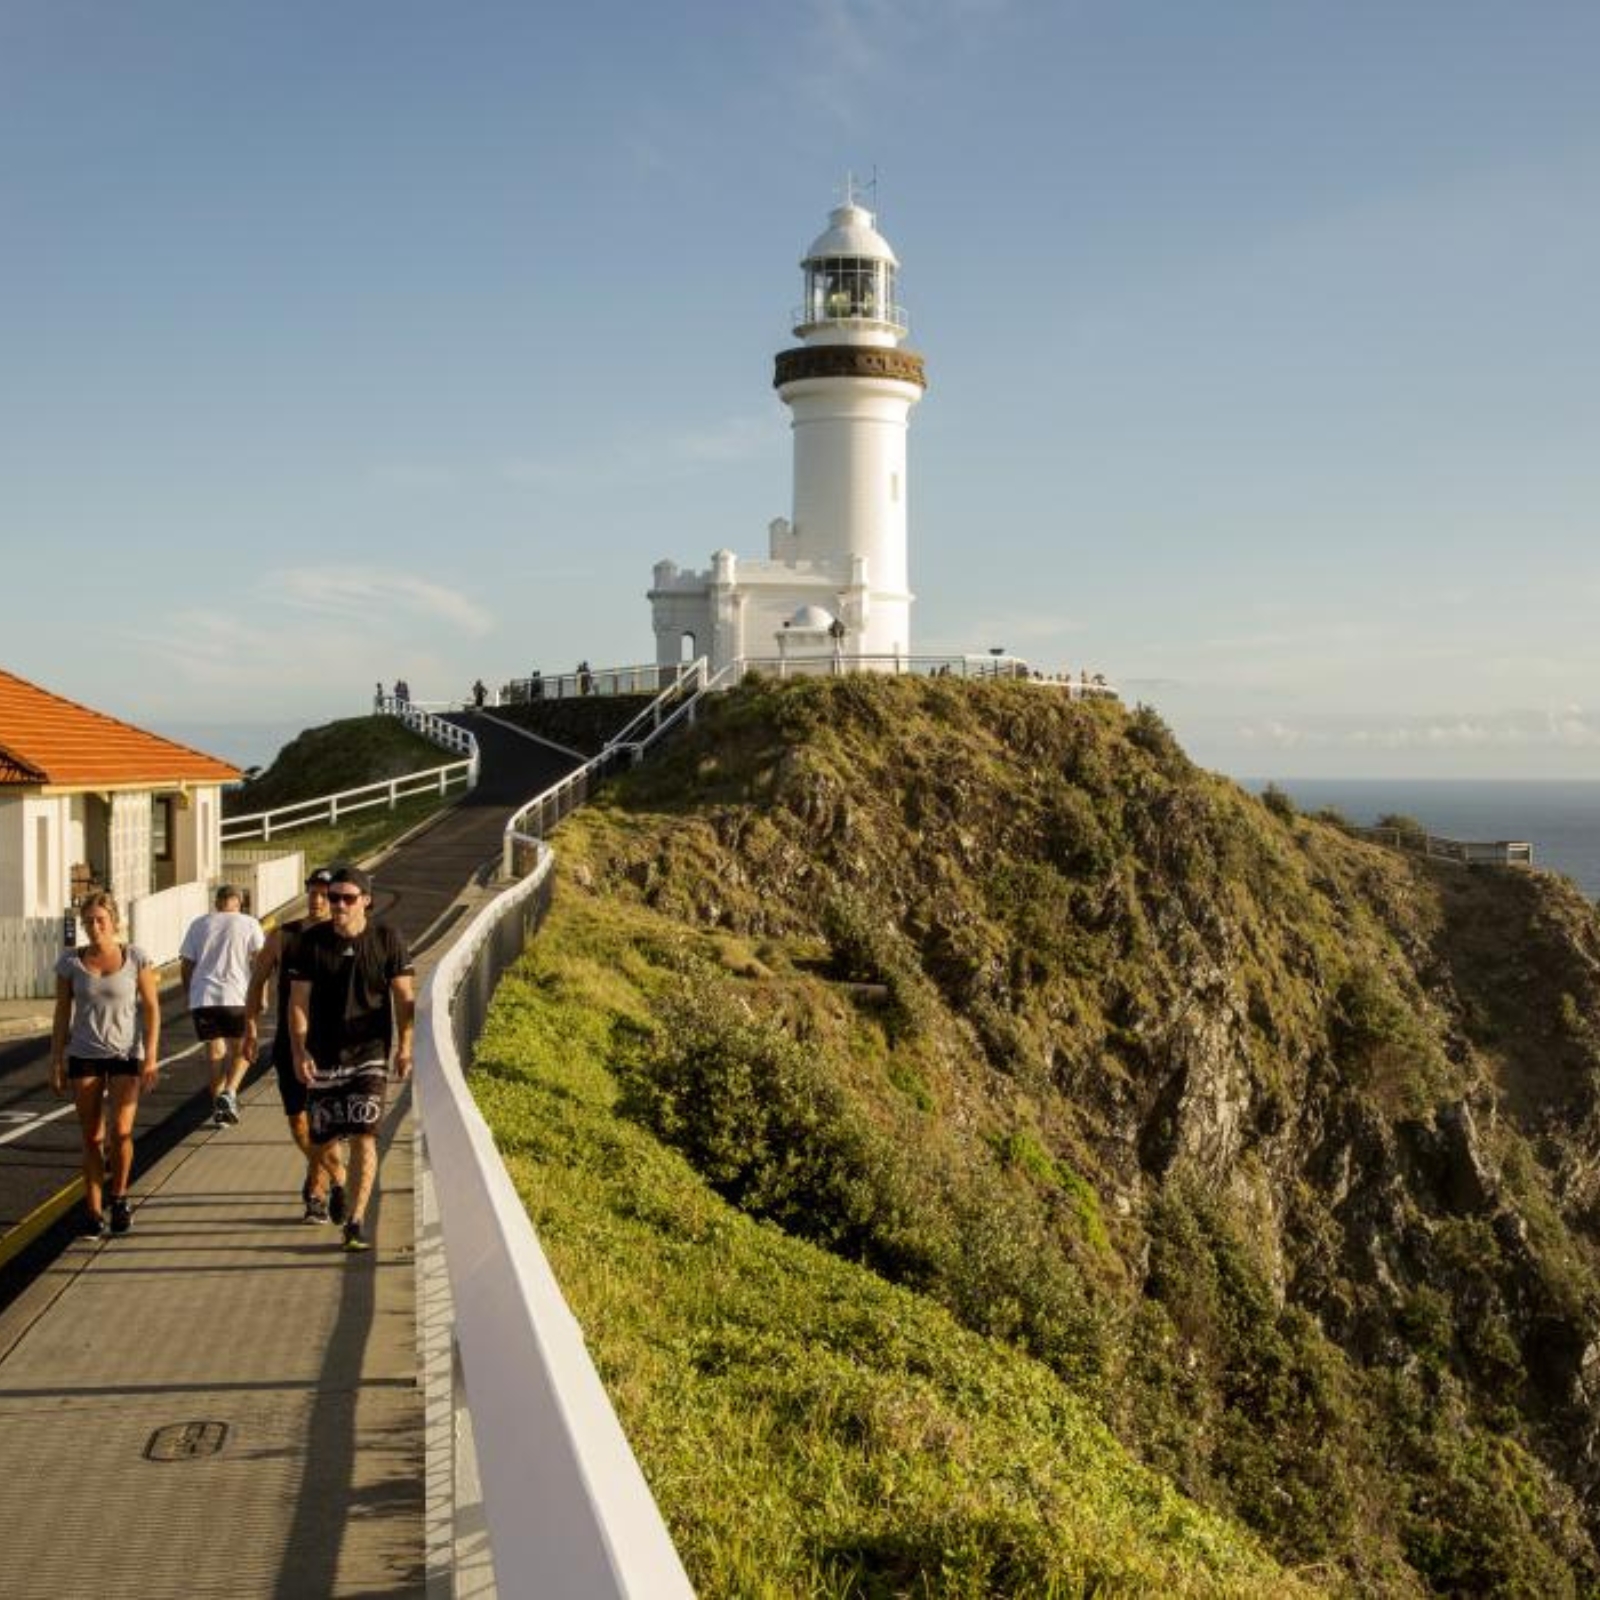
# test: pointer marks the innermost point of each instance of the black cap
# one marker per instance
(319, 878)
(351, 875)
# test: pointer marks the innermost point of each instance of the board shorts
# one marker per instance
(104, 1066)
(349, 1106)
(218, 1022)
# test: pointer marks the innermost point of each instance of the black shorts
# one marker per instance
(348, 1108)
(218, 1022)
(290, 1089)
(104, 1066)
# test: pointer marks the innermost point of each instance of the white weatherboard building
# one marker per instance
(834, 584)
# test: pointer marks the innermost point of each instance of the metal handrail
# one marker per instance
(550, 805)
(1466, 852)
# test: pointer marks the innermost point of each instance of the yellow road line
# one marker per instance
(40, 1218)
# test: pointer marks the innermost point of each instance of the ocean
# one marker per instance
(1560, 818)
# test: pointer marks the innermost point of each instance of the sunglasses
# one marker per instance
(343, 899)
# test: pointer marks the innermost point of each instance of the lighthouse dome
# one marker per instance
(850, 232)
(810, 619)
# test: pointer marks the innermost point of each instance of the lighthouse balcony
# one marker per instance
(890, 321)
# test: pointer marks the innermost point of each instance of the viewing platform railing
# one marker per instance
(1084, 687)
(581, 681)
(1464, 852)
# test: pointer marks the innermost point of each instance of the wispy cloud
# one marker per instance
(1565, 727)
(328, 590)
(641, 457)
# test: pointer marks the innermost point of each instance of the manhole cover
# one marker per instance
(183, 1441)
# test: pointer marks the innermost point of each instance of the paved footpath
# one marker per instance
(222, 1402)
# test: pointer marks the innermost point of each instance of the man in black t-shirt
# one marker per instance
(322, 1193)
(351, 1002)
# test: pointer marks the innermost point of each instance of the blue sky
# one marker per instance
(350, 340)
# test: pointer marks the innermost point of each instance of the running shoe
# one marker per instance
(316, 1209)
(227, 1109)
(121, 1216)
(352, 1237)
(338, 1209)
(94, 1226)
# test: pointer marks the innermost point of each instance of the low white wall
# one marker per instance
(158, 922)
(269, 878)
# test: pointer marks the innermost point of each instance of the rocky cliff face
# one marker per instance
(1293, 1141)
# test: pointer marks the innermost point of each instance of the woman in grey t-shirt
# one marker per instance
(107, 1028)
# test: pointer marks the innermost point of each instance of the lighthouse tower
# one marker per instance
(850, 386)
(833, 592)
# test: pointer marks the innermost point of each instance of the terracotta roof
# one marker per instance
(45, 738)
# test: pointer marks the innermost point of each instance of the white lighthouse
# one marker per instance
(835, 583)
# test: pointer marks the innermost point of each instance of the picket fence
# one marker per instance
(28, 950)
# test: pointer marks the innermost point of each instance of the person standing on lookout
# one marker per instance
(216, 955)
(352, 1002)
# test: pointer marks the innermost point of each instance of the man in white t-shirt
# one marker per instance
(217, 954)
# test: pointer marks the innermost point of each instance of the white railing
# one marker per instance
(675, 702)
(330, 808)
(387, 791)
(158, 922)
(567, 1509)
(29, 947)
(442, 732)
(1084, 687)
(582, 681)
(1465, 852)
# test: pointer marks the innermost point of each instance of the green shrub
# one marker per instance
(766, 1123)
(1279, 803)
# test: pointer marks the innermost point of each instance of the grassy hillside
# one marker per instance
(338, 755)
(939, 1097)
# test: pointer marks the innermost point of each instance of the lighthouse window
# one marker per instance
(847, 286)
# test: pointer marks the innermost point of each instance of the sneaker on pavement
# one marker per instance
(352, 1237)
(94, 1226)
(121, 1216)
(338, 1210)
(227, 1108)
(316, 1209)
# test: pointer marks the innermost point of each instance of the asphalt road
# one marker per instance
(413, 889)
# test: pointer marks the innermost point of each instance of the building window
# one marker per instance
(43, 899)
(161, 831)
